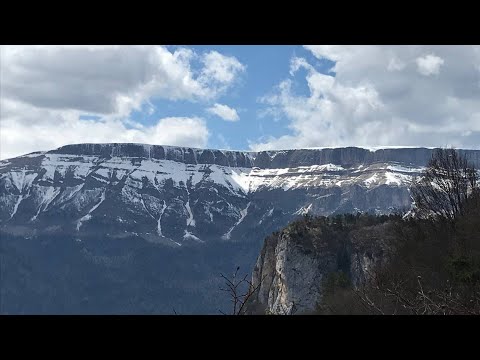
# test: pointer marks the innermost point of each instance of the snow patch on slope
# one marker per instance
(243, 213)
(397, 178)
(190, 219)
(49, 195)
(89, 216)
(104, 172)
(189, 235)
(250, 180)
(371, 180)
(303, 210)
(81, 166)
(21, 180)
(159, 225)
(15, 207)
(270, 212)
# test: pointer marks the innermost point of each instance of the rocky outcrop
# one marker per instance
(289, 275)
(347, 156)
(291, 269)
(159, 152)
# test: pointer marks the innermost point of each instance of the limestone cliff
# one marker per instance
(294, 264)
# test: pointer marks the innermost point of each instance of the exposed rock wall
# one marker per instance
(292, 271)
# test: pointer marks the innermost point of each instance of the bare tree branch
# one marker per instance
(445, 185)
(238, 297)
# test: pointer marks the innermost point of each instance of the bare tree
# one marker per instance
(240, 291)
(444, 187)
(394, 296)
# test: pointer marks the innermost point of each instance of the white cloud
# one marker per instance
(377, 98)
(395, 65)
(220, 68)
(333, 52)
(45, 89)
(225, 112)
(62, 128)
(111, 79)
(429, 65)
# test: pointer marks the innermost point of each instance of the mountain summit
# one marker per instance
(176, 195)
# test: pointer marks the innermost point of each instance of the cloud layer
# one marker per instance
(371, 96)
(45, 90)
(381, 95)
(429, 64)
(53, 128)
(225, 112)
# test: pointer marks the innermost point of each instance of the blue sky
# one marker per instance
(266, 66)
(239, 97)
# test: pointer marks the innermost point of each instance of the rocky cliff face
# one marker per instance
(292, 268)
(290, 276)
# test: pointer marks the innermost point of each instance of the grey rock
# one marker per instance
(290, 272)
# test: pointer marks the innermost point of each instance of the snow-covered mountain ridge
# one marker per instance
(178, 195)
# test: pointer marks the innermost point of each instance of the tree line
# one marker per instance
(435, 267)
